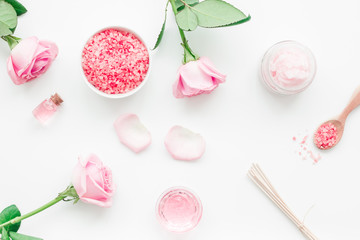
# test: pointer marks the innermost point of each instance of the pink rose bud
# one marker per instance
(197, 77)
(30, 58)
(93, 181)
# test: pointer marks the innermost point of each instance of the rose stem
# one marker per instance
(59, 198)
(183, 38)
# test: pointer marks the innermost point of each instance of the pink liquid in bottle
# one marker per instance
(47, 108)
(179, 210)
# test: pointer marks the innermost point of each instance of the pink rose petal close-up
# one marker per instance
(184, 144)
(132, 133)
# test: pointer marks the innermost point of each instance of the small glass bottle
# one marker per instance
(179, 209)
(47, 108)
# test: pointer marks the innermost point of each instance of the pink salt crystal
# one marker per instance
(325, 136)
(304, 151)
(317, 159)
(115, 61)
(304, 139)
(313, 157)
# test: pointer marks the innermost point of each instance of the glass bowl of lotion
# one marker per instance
(288, 67)
(179, 209)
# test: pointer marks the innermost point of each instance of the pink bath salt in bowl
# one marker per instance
(326, 136)
(115, 62)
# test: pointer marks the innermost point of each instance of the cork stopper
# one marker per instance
(56, 99)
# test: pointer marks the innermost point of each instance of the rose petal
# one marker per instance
(25, 73)
(94, 190)
(109, 185)
(194, 79)
(11, 71)
(95, 174)
(103, 203)
(132, 133)
(208, 67)
(24, 52)
(79, 179)
(39, 66)
(83, 161)
(178, 87)
(52, 48)
(184, 144)
(95, 160)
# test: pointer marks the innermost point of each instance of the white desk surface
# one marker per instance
(241, 122)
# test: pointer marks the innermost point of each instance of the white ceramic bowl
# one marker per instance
(121, 95)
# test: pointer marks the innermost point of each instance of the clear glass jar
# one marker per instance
(288, 67)
(179, 209)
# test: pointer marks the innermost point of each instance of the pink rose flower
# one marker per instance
(30, 58)
(93, 181)
(197, 77)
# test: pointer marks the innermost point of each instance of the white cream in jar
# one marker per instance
(288, 67)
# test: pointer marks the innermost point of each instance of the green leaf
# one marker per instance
(18, 236)
(217, 13)
(239, 22)
(4, 235)
(161, 34)
(4, 29)
(8, 214)
(19, 8)
(180, 5)
(186, 19)
(8, 18)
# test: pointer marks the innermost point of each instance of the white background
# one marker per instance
(241, 122)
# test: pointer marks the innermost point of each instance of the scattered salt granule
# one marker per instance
(325, 136)
(115, 61)
(316, 159)
(303, 149)
(304, 139)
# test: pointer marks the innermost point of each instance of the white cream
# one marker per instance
(288, 67)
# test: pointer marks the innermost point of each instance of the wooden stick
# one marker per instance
(259, 178)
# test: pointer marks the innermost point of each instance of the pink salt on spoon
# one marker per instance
(330, 132)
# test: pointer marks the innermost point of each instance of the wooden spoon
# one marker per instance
(339, 122)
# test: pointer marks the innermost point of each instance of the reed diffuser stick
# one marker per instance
(258, 177)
